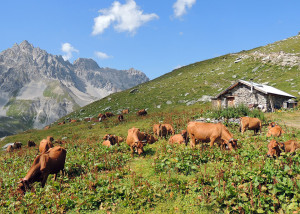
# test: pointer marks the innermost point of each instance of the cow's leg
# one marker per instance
(45, 176)
(132, 151)
(212, 140)
(193, 141)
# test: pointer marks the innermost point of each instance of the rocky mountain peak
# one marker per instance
(25, 45)
(86, 64)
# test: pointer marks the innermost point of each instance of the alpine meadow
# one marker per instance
(169, 178)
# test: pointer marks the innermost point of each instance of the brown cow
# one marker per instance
(72, 121)
(162, 130)
(250, 123)
(61, 123)
(51, 162)
(210, 132)
(109, 114)
(141, 112)
(17, 145)
(113, 139)
(168, 130)
(125, 111)
(120, 117)
(46, 127)
(136, 140)
(150, 139)
(107, 143)
(101, 117)
(46, 144)
(10, 148)
(275, 131)
(31, 143)
(276, 148)
(181, 138)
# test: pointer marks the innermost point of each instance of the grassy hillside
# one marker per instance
(168, 178)
(188, 84)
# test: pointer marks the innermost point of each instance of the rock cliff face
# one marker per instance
(37, 88)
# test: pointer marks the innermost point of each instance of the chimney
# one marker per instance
(251, 81)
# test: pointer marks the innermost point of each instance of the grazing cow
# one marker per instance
(51, 162)
(72, 121)
(31, 143)
(120, 117)
(61, 123)
(150, 139)
(109, 114)
(125, 111)
(46, 144)
(166, 129)
(181, 138)
(9, 148)
(136, 140)
(46, 127)
(156, 129)
(275, 131)
(141, 112)
(17, 145)
(162, 130)
(87, 119)
(275, 148)
(210, 132)
(250, 123)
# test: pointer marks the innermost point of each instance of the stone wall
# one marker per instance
(242, 95)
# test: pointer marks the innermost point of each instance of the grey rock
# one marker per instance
(45, 87)
(169, 102)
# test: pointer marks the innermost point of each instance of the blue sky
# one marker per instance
(154, 36)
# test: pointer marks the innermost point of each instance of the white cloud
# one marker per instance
(180, 7)
(68, 49)
(125, 17)
(102, 55)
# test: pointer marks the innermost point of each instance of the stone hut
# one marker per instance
(253, 95)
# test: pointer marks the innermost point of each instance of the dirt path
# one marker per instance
(292, 120)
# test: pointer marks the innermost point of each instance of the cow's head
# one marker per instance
(139, 146)
(271, 125)
(274, 148)
(50, 138)
(23, 185)
(112, 139)
(231, 144)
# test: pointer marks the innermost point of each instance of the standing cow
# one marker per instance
(51, 162)
(210, 132)
(250, 123)
(136, 140)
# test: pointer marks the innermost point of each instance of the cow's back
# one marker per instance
(57, 157)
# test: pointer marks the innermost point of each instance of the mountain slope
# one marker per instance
(277, 64)
(37, 88)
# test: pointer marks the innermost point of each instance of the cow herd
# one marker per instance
(51, 160)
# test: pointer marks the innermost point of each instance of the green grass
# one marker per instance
(167, 179)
